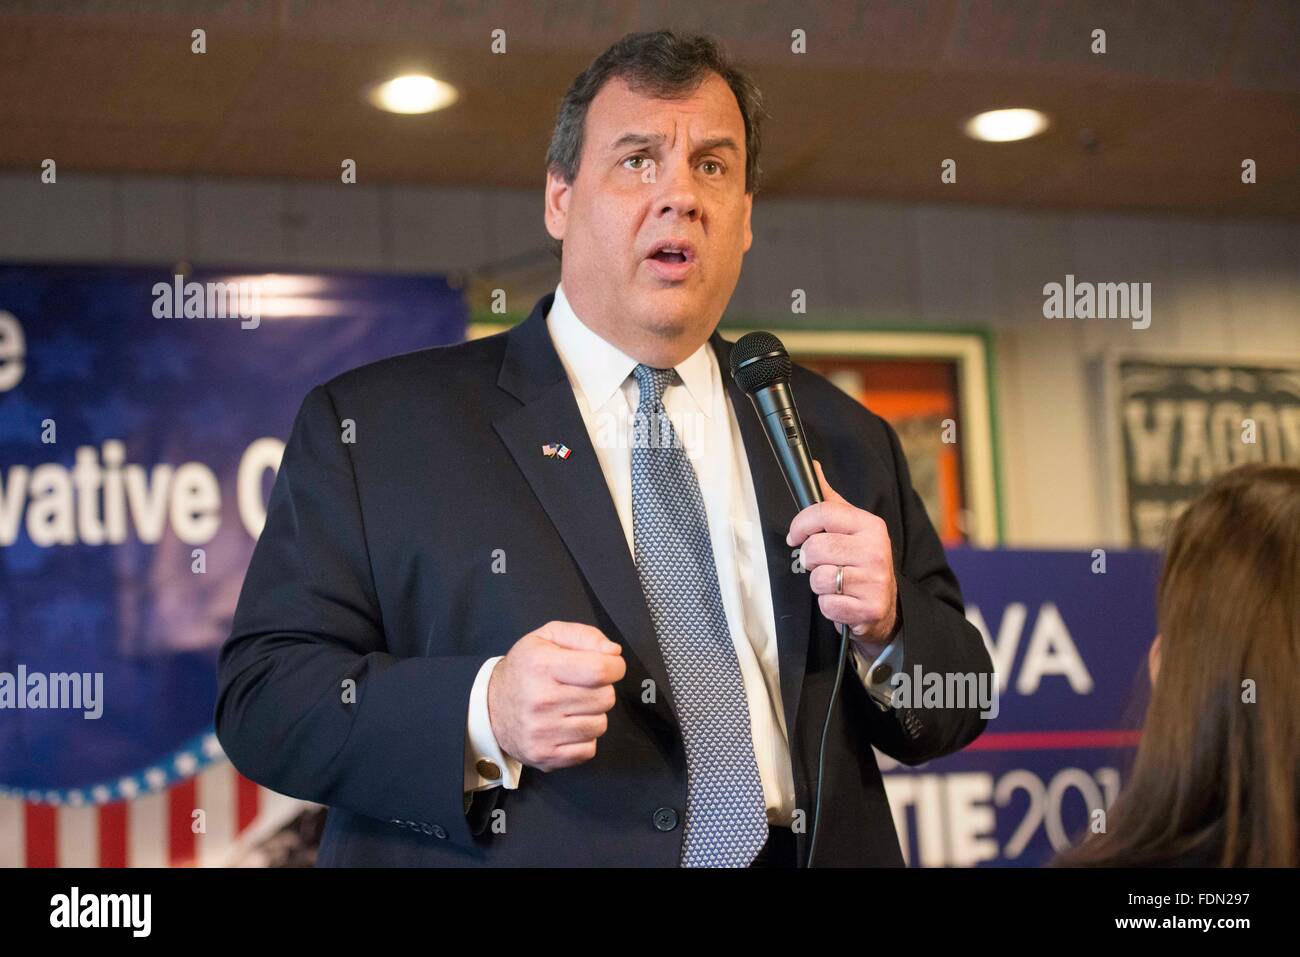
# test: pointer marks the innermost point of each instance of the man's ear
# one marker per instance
(1153, 660)
(749, 210)
(558, 193)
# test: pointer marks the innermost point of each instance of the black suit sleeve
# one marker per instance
(935, 633)
(310, 701)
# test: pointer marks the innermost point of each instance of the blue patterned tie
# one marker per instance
(726, 815)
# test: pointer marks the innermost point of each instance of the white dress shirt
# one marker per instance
(702, 415)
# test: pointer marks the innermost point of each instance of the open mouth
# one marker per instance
(669, 256)
(672, 259)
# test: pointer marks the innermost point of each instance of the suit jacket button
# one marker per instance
(665, 819)
(439, 833)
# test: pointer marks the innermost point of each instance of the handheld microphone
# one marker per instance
(761, 367)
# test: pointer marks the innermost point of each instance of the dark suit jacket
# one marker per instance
(376, 565)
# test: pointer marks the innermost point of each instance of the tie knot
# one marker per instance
(653, 382)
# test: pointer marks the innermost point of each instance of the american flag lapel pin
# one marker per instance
(556, 450)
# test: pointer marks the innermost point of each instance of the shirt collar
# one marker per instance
(599, 368)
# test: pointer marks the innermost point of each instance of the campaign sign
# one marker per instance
(142, 419)
(1068, 633)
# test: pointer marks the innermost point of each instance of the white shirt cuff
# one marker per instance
(892, 657)
(481, 749)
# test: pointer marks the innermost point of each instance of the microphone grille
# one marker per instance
(770, 362)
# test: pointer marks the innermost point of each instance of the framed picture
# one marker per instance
(1173, 425)
(935, 389)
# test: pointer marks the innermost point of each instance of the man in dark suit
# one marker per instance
(544, 598)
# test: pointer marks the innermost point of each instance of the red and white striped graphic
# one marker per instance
(155, 829)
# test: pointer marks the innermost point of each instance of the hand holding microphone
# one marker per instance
(838, 542)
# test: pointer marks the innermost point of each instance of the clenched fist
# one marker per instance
(548, 696)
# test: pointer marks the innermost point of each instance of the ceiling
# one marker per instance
(1161, 121)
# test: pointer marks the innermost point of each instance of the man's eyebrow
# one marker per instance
(654, 139)
(637, 139)
(718, 143)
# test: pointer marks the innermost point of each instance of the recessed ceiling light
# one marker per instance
(1005, 126)
(413, 93)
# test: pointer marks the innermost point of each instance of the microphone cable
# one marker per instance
(821, 751)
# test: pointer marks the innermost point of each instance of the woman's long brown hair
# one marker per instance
(1215, 778)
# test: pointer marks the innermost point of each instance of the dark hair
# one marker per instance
(1215, 779)
(663, 64)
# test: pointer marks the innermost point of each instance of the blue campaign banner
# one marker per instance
(142, 419)
(1068, 633)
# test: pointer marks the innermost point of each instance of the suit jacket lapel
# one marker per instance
(573, 492)
(791, 594)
